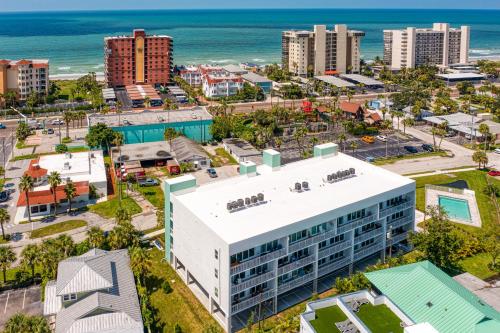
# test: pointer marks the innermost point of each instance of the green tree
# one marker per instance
(353, 145)
(490, 240)
(50, 254)
(26, 185)
(484, 129)
(480, 157)
(212, 329)
(28, 324)
(100, 136)
(140, 263)
(122, 215)
(96, 237)
(70, 192)
(22, 131)
(123, 235)
(30, 257)
(65, 244)
(439, 240)
(4, 217)
(7, 257)
(68, 116)
(54, 180)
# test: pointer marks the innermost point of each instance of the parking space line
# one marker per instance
(24, 296)
(6, 302)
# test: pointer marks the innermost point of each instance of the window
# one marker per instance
(69, 297)
(34, 209)
(216, 273)
(216, 254)
(216, 292)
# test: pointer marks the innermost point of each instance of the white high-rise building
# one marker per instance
(437, 46)
(319, 51)
(269, 238)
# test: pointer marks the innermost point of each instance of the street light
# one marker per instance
(389, 239)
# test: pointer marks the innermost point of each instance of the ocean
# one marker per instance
(73, 41)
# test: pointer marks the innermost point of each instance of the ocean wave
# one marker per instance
(481, 51)
(258, 60)
(64, 68)
(222, 61)
(99, 66)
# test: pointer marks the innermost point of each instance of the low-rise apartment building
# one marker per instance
(321, 51)
(24, 77)
(269, 238)
(221, 84)
(436, 46)
(86, 170)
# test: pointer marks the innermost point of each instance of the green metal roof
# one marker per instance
(427, 294)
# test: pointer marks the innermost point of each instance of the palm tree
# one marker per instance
(4, 217)
(70, 191)
(96, 237)
(81, 116)
(54, 180)
(147, 102)
(7, 257)
(67, 117)
(408, 122)
(118, 142)
(341, 139)
(353, 145)
(480, 157)
(26, 185)
(122, 215)
(30, 256)
(65, 244)
(140, 263)
(484, 129)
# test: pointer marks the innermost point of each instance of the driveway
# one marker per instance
(26, 300)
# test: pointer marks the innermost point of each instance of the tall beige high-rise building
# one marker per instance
(23, 77)
(321, 51)
(437, 46)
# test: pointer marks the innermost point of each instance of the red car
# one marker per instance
(494, 173)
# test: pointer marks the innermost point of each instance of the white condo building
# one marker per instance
(439, 46)
(217, 84)
(316, 52)
(269, 238)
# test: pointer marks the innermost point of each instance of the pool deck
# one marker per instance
(432, 193)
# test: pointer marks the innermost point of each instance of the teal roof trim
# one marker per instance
(427, 294)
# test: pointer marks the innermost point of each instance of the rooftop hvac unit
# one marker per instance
(260, 196)
(352, 170)
(229, 206)
(241, 203)
(247, 201)
(334, 176)
(346, 173)
(298, 187)
(339, 174)
(329, 178)
(254, 199)
(66, 166)
(305, 185)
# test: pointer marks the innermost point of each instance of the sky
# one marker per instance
(39, 5)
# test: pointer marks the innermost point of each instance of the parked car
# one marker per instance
(450, 134)
(2, 126)
(494, 173)
(382, 138)
(411, 149)
(57, 122)
(497, 151)
(50, 131)
(212, 173)
(147, 182)
(368, 139)
(370, 159)
(4, 196)
(427, 147)
(468, 136)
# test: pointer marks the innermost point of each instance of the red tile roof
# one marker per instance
(375, 116)
(34, 170)
(47, 197)
(350, 107)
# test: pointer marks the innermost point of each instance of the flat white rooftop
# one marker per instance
(282, 206)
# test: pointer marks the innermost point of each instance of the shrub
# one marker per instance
(66, 140)
(62, 148)
(165, 286)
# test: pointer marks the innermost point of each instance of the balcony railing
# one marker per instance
(356, 224)
(296, 264)
(396, 208)
(398, 238)
(259, 279)
(400, 222)
(295, 282)
(238, 268)
(310, 241)
(332, 267)
(360, 254)
(249, 302)
(334, 249)
(368, 234)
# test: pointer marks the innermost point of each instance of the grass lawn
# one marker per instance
(326, 319)
(478, 265)
(391, 160)
(153, 194)
(476, 179)
(379, 319)
(107, 209)
(57, 228)
(221, 157)
(24, 157)
(180, 306)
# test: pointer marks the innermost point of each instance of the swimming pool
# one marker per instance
(455, 208)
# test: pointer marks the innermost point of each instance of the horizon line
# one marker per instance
(234, 8)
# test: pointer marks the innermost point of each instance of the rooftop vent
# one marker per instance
(245, 203)
(340, 175)
(298, 187)
(305, 186)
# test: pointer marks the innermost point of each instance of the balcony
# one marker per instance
(364, 252)
(252, 301)
(245, 284)
(334, 249)
(296, 264)
(295, 282)
(396, 208)
(332, 267)
(260, 260)
(310, 241)
(356, 223)
(400, 222)
(368, 234)
(400, 237)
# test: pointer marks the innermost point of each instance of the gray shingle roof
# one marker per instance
(109, 309)
(186, 149)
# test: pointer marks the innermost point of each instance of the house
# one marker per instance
(86, 170)
(352, 110)
(242, 150)
(94, 292)
(372, 118)
(188, 151)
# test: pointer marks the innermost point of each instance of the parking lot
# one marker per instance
(380, 149)
(26, 300)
